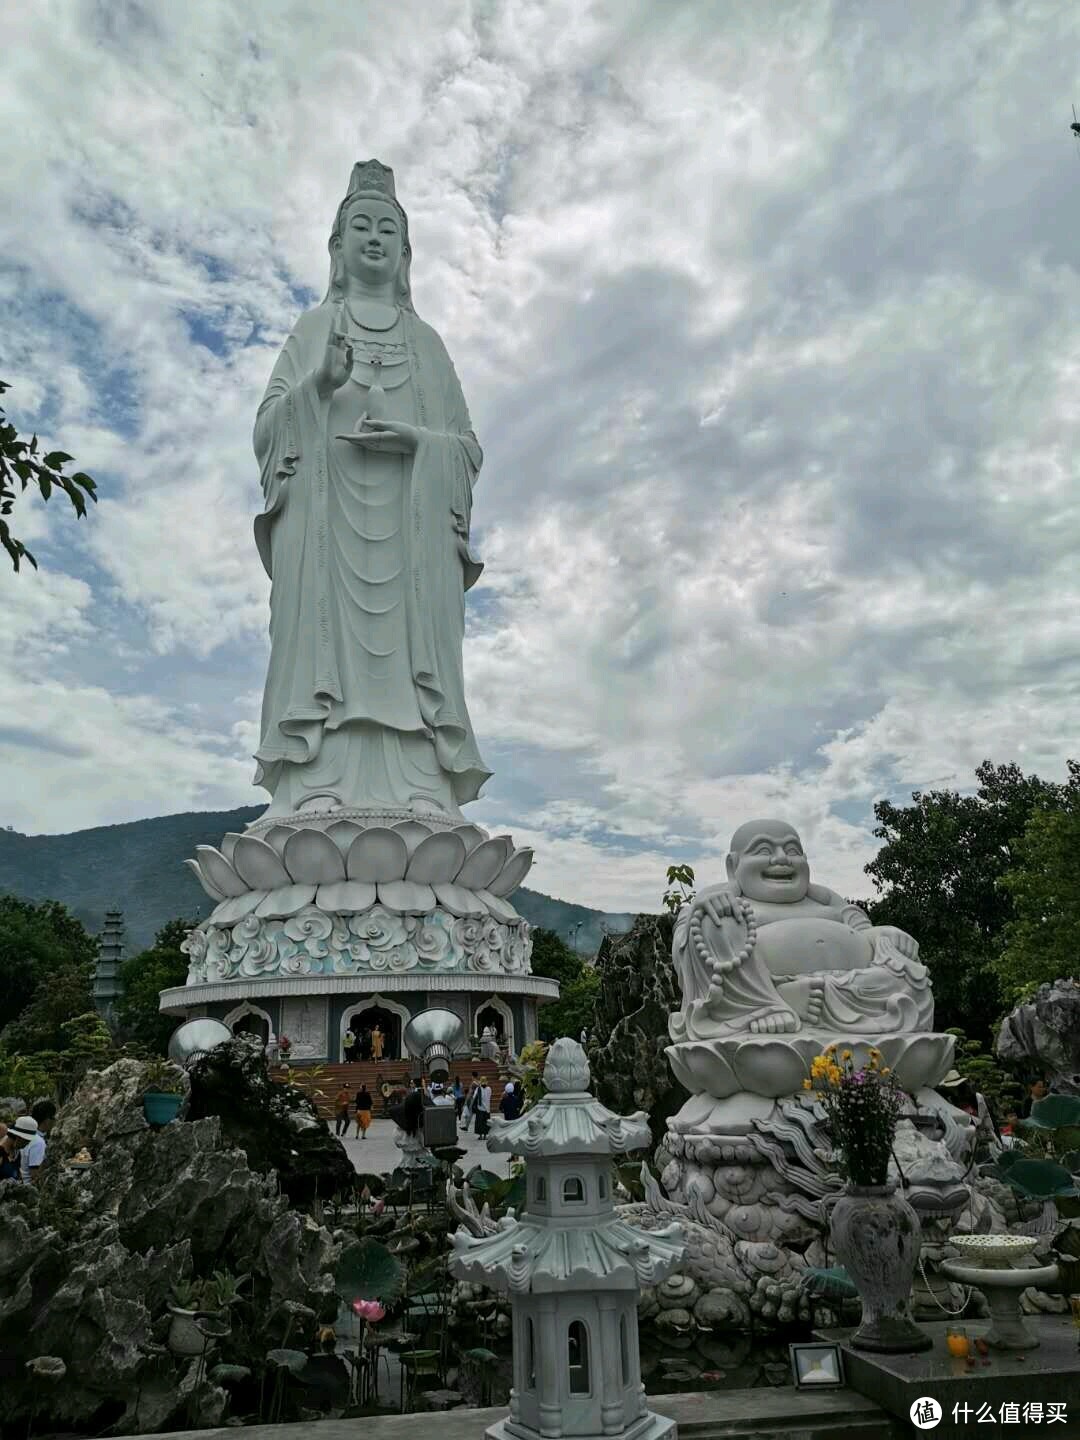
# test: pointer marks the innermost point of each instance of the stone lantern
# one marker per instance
(572, 1267)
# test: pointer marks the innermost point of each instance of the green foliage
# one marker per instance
(163, 1078)
(579, 986)
(832, 1283)
(531, 1071)
(482, 1180)
(681, 876)
(143, 977)
(1054, 1112)
(46, 974)
(1035, 1179)
(987, 1075)
(575, 1009)
(1042, 939)
(939, 871)
(27, 1075)
(38, 940)
(211, 1293)
(22, 464)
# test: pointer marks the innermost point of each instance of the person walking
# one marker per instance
(378, 1042)
(459, 1097)
(363, 1112)
(482, 1109)
(341, 1111)
(469, 1111)
(349, 1047)
(510, 1104)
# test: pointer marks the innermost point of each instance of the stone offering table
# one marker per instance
(987, 1264)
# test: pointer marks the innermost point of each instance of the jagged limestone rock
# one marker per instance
(88, 1260)
(277, 1126)
(1043, 1035)
(638, 991)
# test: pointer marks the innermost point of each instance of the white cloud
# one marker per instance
(777, 384)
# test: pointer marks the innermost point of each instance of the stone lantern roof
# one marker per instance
(549, 1252)
(525, 1256)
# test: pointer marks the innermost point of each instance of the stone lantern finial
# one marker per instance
(566, 1071)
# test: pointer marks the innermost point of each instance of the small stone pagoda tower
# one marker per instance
(572, 1267)
(107, 984)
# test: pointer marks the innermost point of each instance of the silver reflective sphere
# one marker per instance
(434, 1036)
(195, 1038)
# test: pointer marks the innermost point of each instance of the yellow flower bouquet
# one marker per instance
(862, 1106)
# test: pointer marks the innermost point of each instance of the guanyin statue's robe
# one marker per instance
(369, 560)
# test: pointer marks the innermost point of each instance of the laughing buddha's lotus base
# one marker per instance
(773, 1066)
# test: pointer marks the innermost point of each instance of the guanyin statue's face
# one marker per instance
(371, 243)
(768, 862)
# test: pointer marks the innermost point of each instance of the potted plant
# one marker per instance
(164, 1093)
(200, 1312)
(875, 1233)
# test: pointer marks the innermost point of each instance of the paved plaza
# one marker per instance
(379, 1155)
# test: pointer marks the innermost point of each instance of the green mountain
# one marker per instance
(138, 868)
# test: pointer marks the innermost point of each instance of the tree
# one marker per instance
(20, 462)
(38, 940)
(578, 986)
(938, 872)
(66, 995)
(143, 977)
(1042, 940)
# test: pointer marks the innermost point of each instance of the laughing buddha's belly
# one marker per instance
(806, 946)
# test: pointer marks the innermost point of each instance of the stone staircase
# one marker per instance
(322, 1082)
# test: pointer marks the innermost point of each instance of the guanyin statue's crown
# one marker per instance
(371, 175)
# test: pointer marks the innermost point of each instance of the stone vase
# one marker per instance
(876, 1236)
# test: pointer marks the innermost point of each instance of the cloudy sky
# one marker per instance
(768, 317)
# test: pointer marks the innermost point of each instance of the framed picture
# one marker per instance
(819, 1367)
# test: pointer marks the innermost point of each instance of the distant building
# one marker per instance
(107, 985)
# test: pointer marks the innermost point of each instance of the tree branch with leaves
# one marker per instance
(22, 466)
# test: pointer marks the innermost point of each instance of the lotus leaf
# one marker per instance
(1038, 1179)
(833, 1283)
(1054, 1112)
(229, 1374)
(480, 1179)
(507, 1193)
(366, 1270)
(479, 1355)
(291, 1360)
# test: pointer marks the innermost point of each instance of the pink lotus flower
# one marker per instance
(369, 1310)
(378, 1207)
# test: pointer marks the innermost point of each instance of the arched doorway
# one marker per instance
(497, 1014)
(361, 1020)
(248, 1019)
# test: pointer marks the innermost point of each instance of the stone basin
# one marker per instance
(993, 1249)
(775, 1066)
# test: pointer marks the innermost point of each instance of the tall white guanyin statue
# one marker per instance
(368, 463)
(363, 861)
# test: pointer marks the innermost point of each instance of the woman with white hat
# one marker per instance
(12, 1145)
(32, 1153)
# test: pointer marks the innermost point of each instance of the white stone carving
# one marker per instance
(303, 1020)
(376, 942)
